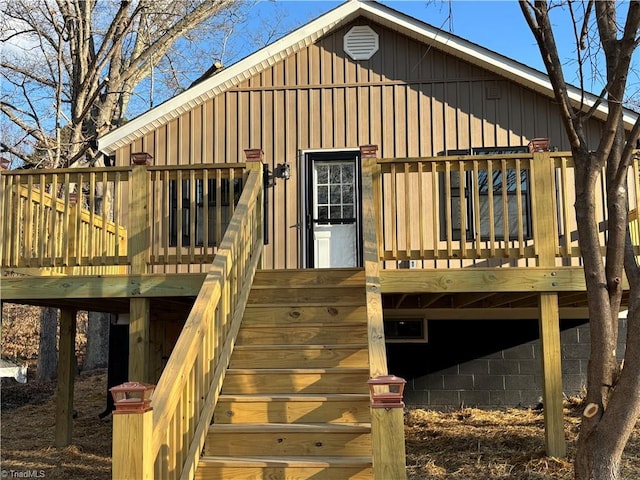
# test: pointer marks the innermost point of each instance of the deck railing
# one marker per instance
(76, 220)
(453, 211)
(187, 392)
(468, 210)
(45, 224)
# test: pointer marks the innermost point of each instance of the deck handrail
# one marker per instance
(188, 389)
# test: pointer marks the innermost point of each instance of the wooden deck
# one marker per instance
(443, 237)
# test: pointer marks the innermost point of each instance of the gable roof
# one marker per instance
(304, 36)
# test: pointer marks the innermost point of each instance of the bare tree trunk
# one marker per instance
(47, 348)
(97, 341)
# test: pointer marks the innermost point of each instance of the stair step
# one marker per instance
(300, 397)
(270, 427)
(304, 408)
(333, 296)
(286, 461)
(284, 468)
(305, 277)
(283, 439)
(290, 356)
(291, 380)
(349, 439)
(303, 334)
(279, 314)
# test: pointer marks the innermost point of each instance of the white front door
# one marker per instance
(333, 210)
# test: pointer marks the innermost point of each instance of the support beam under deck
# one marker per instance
(65, 381)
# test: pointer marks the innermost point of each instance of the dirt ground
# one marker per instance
(466, 444)
(28, 430)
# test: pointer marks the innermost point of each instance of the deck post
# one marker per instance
(132, 457)
(387, 412)
(255, 161)
(387, 424)
(65, 381)
(543, 183)
(139, 245)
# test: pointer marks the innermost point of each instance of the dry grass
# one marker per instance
(28, 431)
(474, 444)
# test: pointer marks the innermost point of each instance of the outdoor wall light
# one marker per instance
(283, 171)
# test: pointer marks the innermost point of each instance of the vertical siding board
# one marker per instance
(352, 114)
(207, 134)
(327, 119)
(303, 104)
(488, 120)
(437, 118)
(364, 103)
(291, 186)
(149, 143)
(196, 134)
(375, 119)
(315, 114)
(255, 119)
(425, 121)
(413, 121)
(315, 118)
(302, 66)
(451, 116)
(138, 145)
(463, 118)
(160, 151)
(172, 142)
(398, 116)
(515, 115)
(503, 120)
(219, 129)
(184, 144)
(475, 113)
(244, 117)
(232, 127)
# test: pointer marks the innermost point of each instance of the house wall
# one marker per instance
(409, 99)
(504, 370)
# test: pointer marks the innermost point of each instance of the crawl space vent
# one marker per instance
(361, 42)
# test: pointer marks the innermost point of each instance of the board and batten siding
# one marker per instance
(409, 99)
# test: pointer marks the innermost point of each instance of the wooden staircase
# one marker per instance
(295, 402)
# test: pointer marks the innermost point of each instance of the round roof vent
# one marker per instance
(361, 42)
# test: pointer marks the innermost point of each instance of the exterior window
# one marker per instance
(405, 329)
(496, 194)
(202, 214)
(504, 186)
